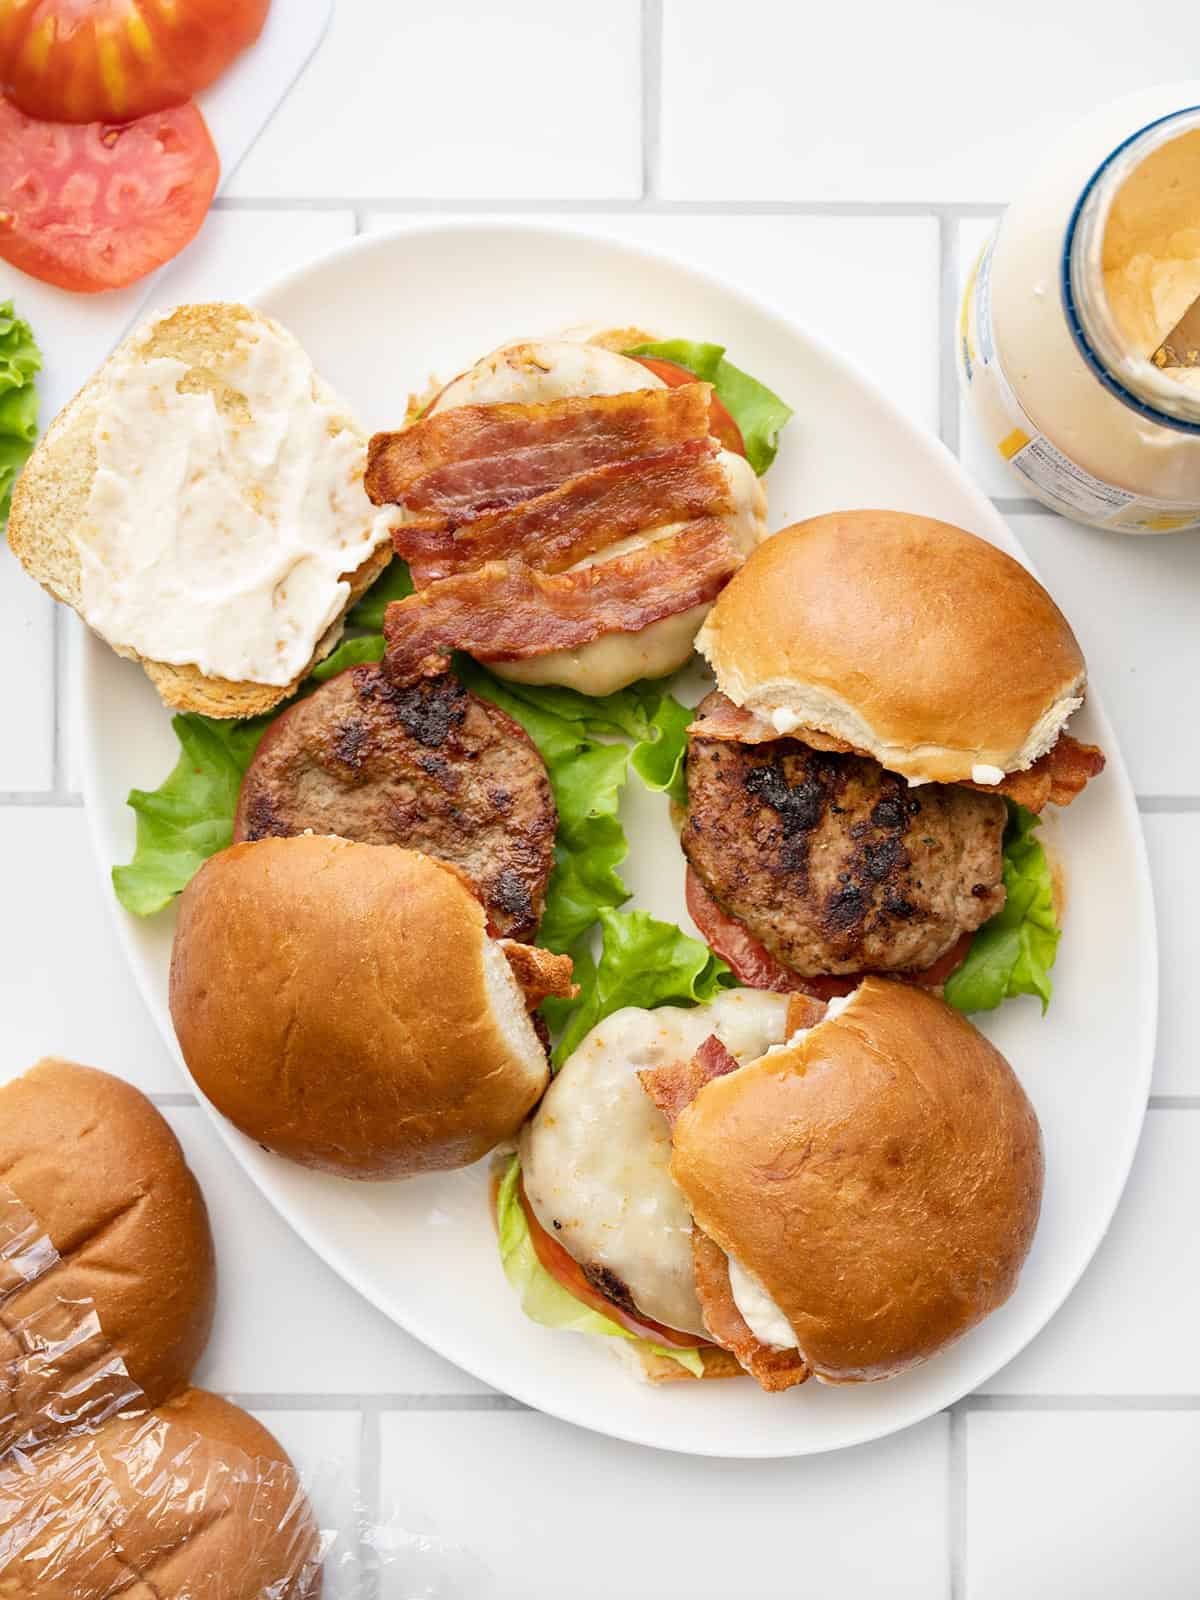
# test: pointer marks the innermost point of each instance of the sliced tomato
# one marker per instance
(114, 60)
(97, 207)
(562, 1265)
(754, 965)
(673, 375)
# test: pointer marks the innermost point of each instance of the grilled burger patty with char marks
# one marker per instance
(835, 864)
(429, 767)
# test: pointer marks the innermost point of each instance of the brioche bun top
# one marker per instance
(102, 1175)
(909, 640)
(343, 1005)
(881, 1175)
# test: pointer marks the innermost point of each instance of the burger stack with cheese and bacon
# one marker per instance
(569, 512)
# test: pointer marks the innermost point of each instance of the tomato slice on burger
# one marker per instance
(114, 60)
(96, 206)
(673, 375)
(562, 1265)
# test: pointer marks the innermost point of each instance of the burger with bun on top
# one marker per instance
(772, 1185)
(890, 713)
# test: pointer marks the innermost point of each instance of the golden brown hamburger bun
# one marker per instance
(99, 1172)
(342, 1004)
(908, 639)
(194, 1498)
(881, 1176)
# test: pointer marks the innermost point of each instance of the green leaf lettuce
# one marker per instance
(1013, 953)
(760, 414)
(20, 360)
(543, 1298)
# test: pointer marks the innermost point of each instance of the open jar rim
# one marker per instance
(1089, 316)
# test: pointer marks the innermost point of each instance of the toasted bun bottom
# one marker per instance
(905, 638)
(343, 1005)
(881, 1176)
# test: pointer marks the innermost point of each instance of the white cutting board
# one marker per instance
(76, 331)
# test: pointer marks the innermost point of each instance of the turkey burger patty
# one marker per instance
(430, 767)
(832, 863)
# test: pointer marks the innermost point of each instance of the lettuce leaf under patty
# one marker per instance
(660, 759)
(1013, 953)
(20, 360)
(643, 962)
(543, 1298)
(760, 414)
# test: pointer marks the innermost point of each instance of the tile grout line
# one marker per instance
(647, 204)
(652, 59)
(956, 1525)
(947, 315)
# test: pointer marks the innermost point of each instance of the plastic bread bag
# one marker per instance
(118, 1477)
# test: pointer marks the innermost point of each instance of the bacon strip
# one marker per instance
(540, 972)
(1061, 774)
(676, 1084)
(507, 611)
(581, 516)
(460, 462)
(772, 1369)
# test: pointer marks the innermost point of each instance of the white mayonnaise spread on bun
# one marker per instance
(759, 1312)
(595, 1158)
(541, 370)
(982, 773)
(217, 536)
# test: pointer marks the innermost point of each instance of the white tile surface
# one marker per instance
(65, 988)
(236, 254)
(619, 1519)
(927, 101)
(1101, 1505)
(319, 1336)
(1130, 1325)
(529, 99)
(816, 270)
(1135, 605)
(27, 671)
(1174, 846)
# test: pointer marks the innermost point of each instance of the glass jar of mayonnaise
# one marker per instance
(1088, 271)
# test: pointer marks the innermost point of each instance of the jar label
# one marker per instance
(1051, 477)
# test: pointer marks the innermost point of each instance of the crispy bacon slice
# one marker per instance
(721, 719)
(507, 611)
(803, 1011)
(579, 517)
(470, 459)
(772, 1369)
(539, 972)
(1062, 773)
(1056, 779)
(676, 1084)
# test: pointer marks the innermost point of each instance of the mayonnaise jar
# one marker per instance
(1086, 273)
